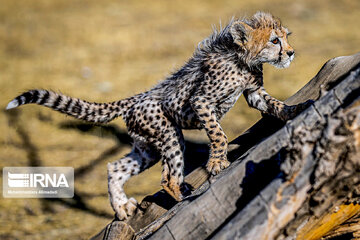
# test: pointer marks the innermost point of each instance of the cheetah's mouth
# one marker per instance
(282, 63)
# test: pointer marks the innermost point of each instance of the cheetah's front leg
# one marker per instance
(262, 101)
(218, 140)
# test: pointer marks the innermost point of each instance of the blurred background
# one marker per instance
(108, 50)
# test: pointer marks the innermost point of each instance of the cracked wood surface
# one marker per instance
(320, 169)
(216, 206)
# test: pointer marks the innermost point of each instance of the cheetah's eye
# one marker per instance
(275, 41)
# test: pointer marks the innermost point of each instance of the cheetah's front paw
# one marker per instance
(297, 109)
(126, 210)
(215, 165)
(176, 190)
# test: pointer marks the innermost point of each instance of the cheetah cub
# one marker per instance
(197, 96)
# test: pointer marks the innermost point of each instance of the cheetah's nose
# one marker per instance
(290, 53)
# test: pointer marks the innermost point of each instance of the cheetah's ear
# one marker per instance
(240, 32)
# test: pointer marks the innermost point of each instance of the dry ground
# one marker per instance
(106, 50)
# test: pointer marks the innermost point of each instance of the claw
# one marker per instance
(126, 210)
(177, 191)
(214, 166)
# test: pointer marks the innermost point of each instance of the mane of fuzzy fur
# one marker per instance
(220, 42)
(263, 20)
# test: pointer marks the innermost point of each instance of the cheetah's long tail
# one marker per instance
(91, 112)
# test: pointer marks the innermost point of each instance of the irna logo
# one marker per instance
(37, 180)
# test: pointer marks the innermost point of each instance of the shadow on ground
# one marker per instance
(197, 152)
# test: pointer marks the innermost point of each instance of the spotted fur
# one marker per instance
(197, 96)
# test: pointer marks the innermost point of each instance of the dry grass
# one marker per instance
(106, 50)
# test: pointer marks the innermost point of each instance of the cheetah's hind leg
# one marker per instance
(119, 172)
(172, 150)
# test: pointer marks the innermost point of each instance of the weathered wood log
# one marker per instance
(214, 207)
(237, 207)
(320, 167)
(116, 230)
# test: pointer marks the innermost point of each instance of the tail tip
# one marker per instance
(13, 104)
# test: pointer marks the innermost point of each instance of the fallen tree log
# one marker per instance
(320, 168)
(250, 193)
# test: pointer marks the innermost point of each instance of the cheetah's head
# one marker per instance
(263, 40)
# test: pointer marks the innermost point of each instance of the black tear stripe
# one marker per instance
(44, 98)
(57, 102)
